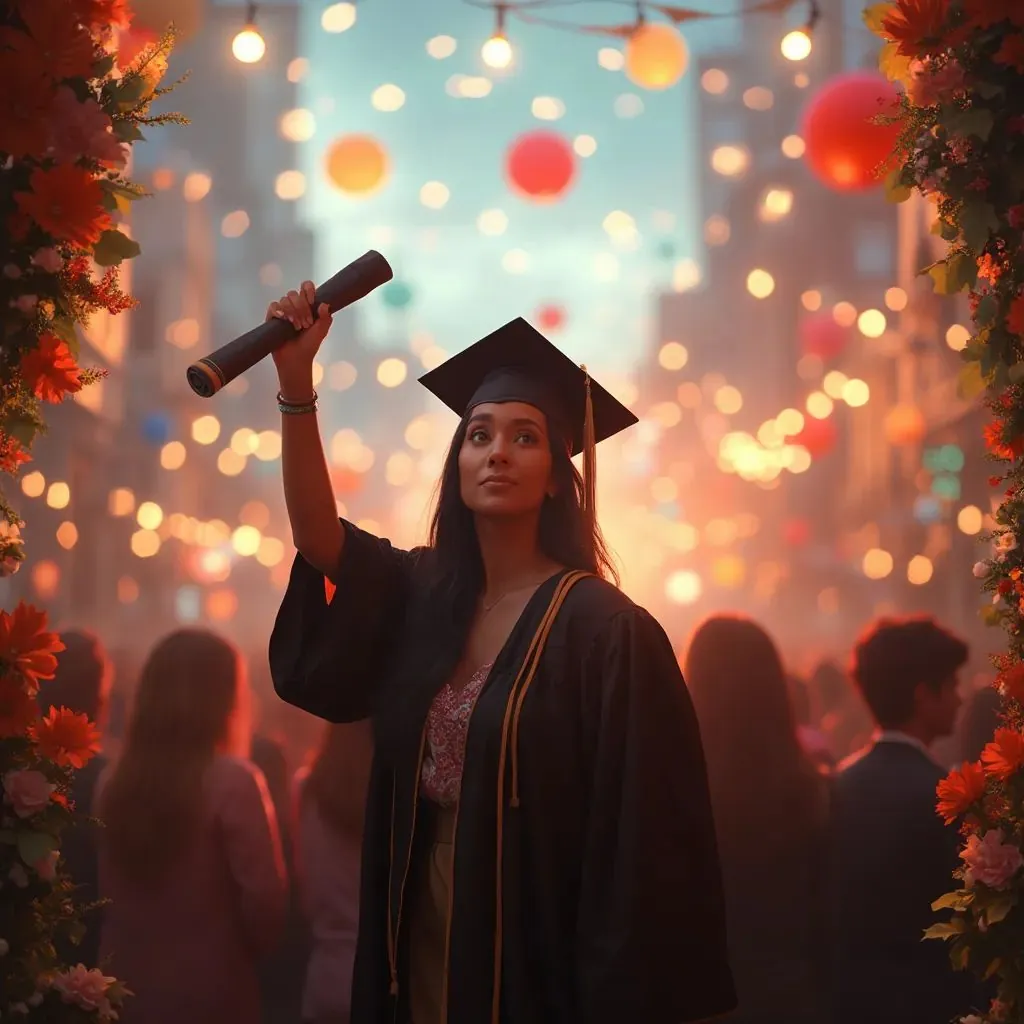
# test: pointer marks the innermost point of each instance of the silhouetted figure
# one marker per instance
(770, 804)
(891, 854)
(978, 723)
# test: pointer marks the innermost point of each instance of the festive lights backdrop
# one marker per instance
(689, 204)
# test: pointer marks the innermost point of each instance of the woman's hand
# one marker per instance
(294, 359)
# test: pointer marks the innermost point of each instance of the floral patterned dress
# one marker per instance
(447, 726)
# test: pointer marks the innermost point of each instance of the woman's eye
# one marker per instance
(526, 436)
(478, 435)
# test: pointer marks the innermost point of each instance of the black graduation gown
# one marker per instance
(610, 903)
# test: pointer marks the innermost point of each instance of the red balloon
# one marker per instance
(821, 336)
(796, 532)
(818, 437)
(551, 318)
(540, 166)
(845, 149)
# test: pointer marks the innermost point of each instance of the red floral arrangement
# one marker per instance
(70, 115)
(961, 63)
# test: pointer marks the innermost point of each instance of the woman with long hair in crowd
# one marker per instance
(190, 856)
(538, 843)
(330, 802)
(770, 806)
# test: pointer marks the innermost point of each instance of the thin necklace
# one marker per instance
(508, 593)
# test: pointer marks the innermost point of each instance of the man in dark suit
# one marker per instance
(890, 853)
(82, 684)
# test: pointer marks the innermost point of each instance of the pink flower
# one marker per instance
(46, 867)
(48, 259)
(959, 149)
(28, 791)
(990, 861)
(83, 987)
(930, 86)
(26, 303)
(82, 128)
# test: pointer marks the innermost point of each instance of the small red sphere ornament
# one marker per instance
(540, 166)
(821, 336)
(844, 147)
(796, 532)
(551, 318)
(818, 437)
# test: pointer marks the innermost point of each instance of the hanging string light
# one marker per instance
(249, 46)
(797, 45)
(497, 51)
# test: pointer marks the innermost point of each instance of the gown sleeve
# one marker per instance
(327, 655)
(651, 923)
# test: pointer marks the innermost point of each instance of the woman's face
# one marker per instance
(505, 460)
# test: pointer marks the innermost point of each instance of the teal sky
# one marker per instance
(645, 165)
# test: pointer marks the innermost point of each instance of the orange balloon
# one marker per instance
(656, 56)
(357, 165)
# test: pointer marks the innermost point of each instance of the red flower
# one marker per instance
(1000, 448)
(17, 708)
(994, 481)
(101, 14)
(26, 98)
(918, 27)
(1004, 587)
(27, 647)
(1011, 53)
(66, 202)
(1015, 318)
(56, 41)
(1011, 681)
(12, 455)
(67, 738)
(1004, 756)
(49, 371)
(959, 790)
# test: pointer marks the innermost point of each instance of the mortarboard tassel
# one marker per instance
(589, 459)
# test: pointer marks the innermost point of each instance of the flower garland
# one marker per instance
(961, 63)
(70, 117)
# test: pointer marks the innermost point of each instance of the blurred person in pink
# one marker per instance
(190, 856)
(770, 805)
(330, 805)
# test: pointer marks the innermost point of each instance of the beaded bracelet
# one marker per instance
(296, 408)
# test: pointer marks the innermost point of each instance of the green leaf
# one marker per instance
(64, 328)
(998, 909)
(954, 274)
(959, 900)
(874, 16)
(945, 929)
(992, 968)
(34, 846)
(113, 247)
(960, 956)
(103, 66)
(895, 190)
(970, 383)
(976, 121)
(987, 311)
(978, 220)
(130, 92)
(128, 131)
(22, 430)
(893, 64)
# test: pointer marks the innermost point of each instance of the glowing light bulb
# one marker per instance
(249, 46)
(497, 52)
(796, 45)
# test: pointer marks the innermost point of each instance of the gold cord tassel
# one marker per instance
(589, 460)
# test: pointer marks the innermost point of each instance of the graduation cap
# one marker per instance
(516, 363)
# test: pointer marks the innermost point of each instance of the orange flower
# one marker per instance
(959, 790)
(26, 97)
(66, 738)
(27, 646)
(1011, 680)
(12, 455)
(917, 26)
(56, 40)
(1004, 756)
(17, 708)
(66, 202)
(49, 371)
(1000, 448)
(102, 14)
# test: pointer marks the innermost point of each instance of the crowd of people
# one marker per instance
(229, 857)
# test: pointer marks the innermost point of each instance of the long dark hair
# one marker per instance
(339, 776)
(563, 533)
(757, 768)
